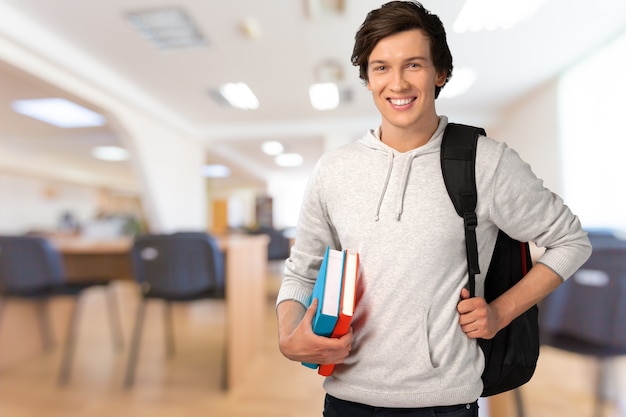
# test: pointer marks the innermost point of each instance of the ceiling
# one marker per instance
(93, 41)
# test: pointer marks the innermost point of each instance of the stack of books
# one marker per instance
(335, 290)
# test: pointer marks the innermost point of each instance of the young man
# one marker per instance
(412, 349)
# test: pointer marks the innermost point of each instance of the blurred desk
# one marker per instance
(246, 295)
(86, 259)
(246, 273)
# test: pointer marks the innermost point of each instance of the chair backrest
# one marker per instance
(179, 264)
(278, 247)
(28, 263)
(606, 239)
(591, 305)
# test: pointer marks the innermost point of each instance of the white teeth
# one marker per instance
(401, 102)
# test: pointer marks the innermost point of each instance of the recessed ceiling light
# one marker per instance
(250, 27)
(58, 112)
(215, 171)
(239, 95)
(476, 15)
(287, 160)
(110, 153)
(461, 81)
(272, 148)
(167, 28)
(318, 9)
(324, 96)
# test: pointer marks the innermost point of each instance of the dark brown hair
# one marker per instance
(399, 16)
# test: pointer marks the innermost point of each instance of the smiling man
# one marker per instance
(403, 80)
(412, 349)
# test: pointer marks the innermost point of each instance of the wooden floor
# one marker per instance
(189, 383)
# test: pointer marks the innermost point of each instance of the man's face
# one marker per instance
(402, 79)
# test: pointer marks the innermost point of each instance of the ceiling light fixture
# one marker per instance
(215, 171)
(288, 160)
(272, 148)
(250, 27)
(110, 153)
(461, 81)
(324, 96)
(240, 96)
(477, 15)
(318, 9)
(167, 28)
(58, 112)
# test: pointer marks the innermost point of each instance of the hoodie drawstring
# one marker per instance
(382, 194)
(405, 180)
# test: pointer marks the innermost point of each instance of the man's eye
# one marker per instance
(379, 68)
(414, 65)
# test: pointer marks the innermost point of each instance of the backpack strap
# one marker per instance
(458, 157)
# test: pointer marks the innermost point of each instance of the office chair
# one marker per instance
(30, 268)
(179, 267)
(587, 315)
(278, 248)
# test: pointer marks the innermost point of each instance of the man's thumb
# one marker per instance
(310, 312)
(465, 294)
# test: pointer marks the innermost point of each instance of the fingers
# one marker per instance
(476, 318)
(346, 340)
(465, 294)
(470, 314)
(471, 329)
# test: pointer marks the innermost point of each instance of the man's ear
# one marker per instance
(441, 78)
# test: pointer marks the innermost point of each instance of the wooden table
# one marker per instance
(246, 295)
(87, 259)
(246, 276)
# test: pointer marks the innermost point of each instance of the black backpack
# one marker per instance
(511, 356)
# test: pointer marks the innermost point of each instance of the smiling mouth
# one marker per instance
(401, 101)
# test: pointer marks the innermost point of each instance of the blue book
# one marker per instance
(327, 290)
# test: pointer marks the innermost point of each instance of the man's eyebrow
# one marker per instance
(414, 58)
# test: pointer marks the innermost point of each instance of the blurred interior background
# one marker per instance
(166, 147)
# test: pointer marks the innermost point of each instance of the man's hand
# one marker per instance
(297, 341)
(477, 318)
(481, 320)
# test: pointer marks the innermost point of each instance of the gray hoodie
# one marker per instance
(391, 207)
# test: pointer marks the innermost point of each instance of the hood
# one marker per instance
(372, 140)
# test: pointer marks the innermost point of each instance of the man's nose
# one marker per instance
(399, 81)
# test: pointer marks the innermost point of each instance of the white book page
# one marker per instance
(349, 286)
(332, 289)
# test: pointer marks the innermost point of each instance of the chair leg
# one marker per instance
(169, 329)
(601, 377)
(225, 359)
(70, 343)
(2, 303)
(519, 402)
(114, 319)
(43, 317)
(134, 344)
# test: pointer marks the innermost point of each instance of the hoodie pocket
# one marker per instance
(408, 355)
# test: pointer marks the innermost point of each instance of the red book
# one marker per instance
(348, 302)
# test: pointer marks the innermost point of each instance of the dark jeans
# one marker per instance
(334, 407)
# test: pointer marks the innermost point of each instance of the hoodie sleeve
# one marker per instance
(526, 210)
(314, 233)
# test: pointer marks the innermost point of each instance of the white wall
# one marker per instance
(29, 203)
(287, 193)
(168, 166)
(530, 127)
(591, 111)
